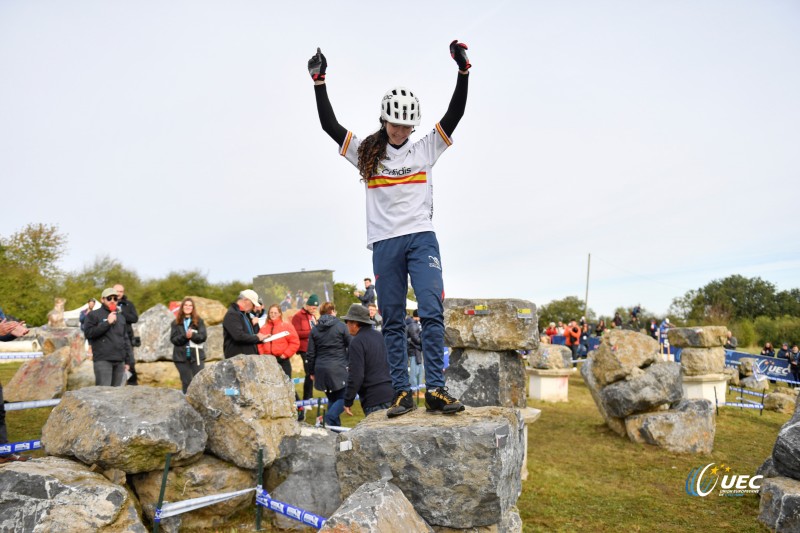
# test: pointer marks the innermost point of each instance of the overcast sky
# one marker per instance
(661, 137)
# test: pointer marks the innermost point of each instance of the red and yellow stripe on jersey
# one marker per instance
(390, 181)
(346, 143)
(444, 136)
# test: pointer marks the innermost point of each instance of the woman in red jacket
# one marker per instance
(284, 348)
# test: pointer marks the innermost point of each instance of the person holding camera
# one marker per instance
(106, 330)
(127, 309)
(188, 335)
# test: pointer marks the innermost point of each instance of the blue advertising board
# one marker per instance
(772, 367)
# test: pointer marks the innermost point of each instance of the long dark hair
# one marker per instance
(371, 152)
(179, 316)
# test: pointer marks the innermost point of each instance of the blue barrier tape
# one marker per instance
(21, 355)
(745, 391)
(23, 446)
(297, 381)
(783, 380)
(742, 405)
(19, 406)
(310, 519)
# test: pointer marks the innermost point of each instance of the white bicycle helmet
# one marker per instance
(400, 106)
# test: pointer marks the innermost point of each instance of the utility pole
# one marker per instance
(586, 300)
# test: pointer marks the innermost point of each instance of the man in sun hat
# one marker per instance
(368, 372)
(239, 336)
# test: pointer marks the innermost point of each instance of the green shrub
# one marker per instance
(745, 332)
(777, 330)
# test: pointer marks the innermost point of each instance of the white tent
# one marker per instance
(410, 305)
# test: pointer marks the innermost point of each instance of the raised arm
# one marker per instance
(317, 66)
(458, 102)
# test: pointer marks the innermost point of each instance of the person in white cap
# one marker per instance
(239, 336)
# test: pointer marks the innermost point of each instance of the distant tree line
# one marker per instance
(30, 279)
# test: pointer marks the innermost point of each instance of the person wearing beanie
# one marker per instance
(303, 321)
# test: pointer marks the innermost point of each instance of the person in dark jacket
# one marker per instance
(188, 335)
(783, 353)
(327, 360)
(368, 373)
(413, 332)
(304, 321)
(368, 296)
(105, 330)
(90, 304)
(10, 329)
(238, 334)
(127, 309)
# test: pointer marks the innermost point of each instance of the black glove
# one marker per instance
(317, 65)
(458, 51)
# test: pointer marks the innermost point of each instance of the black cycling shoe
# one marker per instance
(438, 400)
(403, 403)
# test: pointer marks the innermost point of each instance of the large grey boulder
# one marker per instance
(758, 384)
(509, 325)
(211, 311)
(154, 328)
(52, 339)
(214, 344)
(746, 366)
(247, 403)
(480, 378)
(458, 471)
(511, 523)
(127, 428)
(620, 353)
(688, 427)
(207, 476)
(732, 374)
(305, 460)
(779, 508)
(55, 494)
(376, 507)
(786, 451)
(657, 385)
(617, 425)
(697, 337)
(780, 402)
(81, 376)
(40, 379)
(550, 357)
(702, 361)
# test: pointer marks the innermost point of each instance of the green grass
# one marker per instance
(582, 476)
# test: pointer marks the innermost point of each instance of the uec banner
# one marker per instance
(771, 367)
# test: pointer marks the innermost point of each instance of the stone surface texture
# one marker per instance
(482, 378)
(617, 425)
(154, 328)
(258, 410)
(376, 507)
(54, 494)
(688, 427)
(40, 379)
(214, 344)
(786, 451)
(458, 471)
(754, 383)
(500, 330)
(211, 311)
(698, 337)
(780, 402)
(779, 508)
(128, 428)
(511, 523)
(206, 477)
(550, 356)
(158, 373)
(305, 460)
(620, 353)
(702, 361)
(81, 376)
(657, 385)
